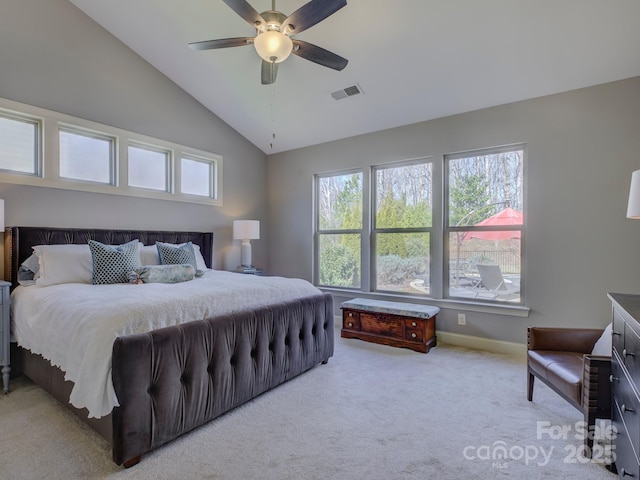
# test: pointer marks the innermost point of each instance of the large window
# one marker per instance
(448, 229)
(484, 224)
(402, 228)
(339, 230)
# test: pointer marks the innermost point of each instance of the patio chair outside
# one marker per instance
(492, 281)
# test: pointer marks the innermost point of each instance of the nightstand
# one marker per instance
(5, 333)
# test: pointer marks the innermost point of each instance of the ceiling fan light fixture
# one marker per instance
(273, 46)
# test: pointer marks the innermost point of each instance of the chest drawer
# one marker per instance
(381, 324)
(414, 330)
(617, 332)
(351, 320)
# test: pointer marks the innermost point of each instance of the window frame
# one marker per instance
(375, 230)
(439, 255)
(49, 158)
(38, 123)
(364, 280)
(86, 133)
(168, 167)
(449, 229)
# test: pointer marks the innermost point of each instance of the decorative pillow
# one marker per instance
(67, 263)
(162, 274)
(112, 263)
(149, 255)
(603, 345)
(171, 254)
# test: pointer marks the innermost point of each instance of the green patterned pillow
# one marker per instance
(111, 263)
(174, 255)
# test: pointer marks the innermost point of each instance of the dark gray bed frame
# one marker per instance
(172, 380)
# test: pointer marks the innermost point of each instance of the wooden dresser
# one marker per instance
(390, 323)
(625, 383)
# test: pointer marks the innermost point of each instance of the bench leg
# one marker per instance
(530, 387)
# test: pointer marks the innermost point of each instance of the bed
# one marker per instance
(173, 379)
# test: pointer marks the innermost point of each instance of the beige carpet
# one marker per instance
(373, 412)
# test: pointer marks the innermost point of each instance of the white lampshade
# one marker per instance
(273, 46)
(633, 208)
(1, 216)
(246, 229)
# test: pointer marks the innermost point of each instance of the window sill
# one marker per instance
(453, 304)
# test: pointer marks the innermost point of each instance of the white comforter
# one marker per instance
(74, 325)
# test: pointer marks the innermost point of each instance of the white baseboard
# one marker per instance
(480, 343)
(469, 341)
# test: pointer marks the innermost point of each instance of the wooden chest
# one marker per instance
(390, 323)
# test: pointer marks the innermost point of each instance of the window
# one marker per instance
(149, 167)
(484, 224)
(92, 157)
(87, 156)
(20, 144)
(197, 177)
(444, 230)
(402, 228)
(339, 229)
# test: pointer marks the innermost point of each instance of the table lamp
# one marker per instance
(246, 230)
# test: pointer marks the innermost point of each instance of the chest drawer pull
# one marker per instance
(350, 324)
(624, 473)
(624, 408)
(625, 353)
(413, 335)
(612, 378)
(414, 324)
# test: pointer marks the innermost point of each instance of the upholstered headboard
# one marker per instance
(18, 242)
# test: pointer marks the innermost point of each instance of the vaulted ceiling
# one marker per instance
(413, 60)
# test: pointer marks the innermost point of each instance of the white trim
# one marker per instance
(481, 343)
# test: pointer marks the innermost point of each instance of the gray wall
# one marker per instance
(55, 57)
(582, 147)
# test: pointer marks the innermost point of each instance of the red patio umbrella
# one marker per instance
(506, 217)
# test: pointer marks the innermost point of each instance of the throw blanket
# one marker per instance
(74, 325)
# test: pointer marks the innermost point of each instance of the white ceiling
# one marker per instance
(415, 60)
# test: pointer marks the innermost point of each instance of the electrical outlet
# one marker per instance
(462, 319)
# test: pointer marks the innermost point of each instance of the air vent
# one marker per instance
(347, 92)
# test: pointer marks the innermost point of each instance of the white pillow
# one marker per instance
(149, 255)
(603, 345)
(63, 264)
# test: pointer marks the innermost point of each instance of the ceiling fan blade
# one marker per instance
(246, 11)
(269, 72)
(221, 43)
(318, 55)
(311, 13)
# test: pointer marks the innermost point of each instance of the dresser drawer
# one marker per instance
(625, 456)
(381, 324)
(617, 331)
(627, 404)
(630, 354)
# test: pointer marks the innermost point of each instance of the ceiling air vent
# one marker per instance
(347, 92)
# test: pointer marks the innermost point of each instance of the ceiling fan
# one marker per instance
(274, 29)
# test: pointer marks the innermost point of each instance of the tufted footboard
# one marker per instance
(173, 380)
